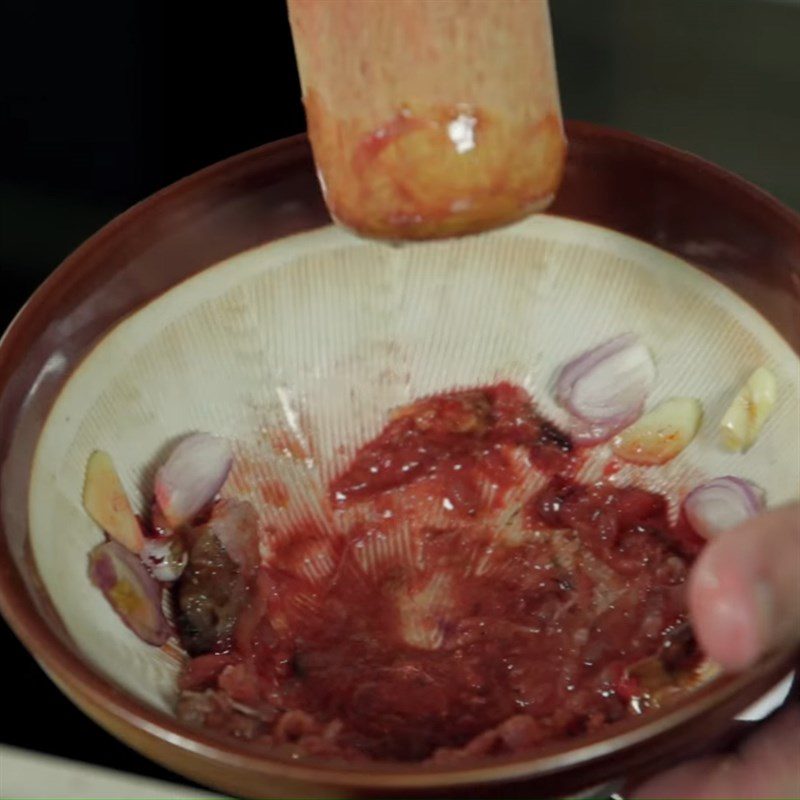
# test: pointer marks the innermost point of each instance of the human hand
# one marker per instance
(744, 598)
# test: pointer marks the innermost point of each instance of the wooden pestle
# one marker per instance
(430, 118)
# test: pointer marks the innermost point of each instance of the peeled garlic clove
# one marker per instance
(743, 421)
(661, 434)
(107, 504)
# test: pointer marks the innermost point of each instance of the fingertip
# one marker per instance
(726, 610)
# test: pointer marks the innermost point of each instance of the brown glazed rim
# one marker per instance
(70, 671)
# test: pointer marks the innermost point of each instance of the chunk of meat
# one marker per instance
(215, 710)
(214, 587)
(235, 524)
(202, 672)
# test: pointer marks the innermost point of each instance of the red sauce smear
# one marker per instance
(475, 600)
(371, 146)
(463, 440)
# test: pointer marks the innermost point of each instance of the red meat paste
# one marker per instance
(469, 597)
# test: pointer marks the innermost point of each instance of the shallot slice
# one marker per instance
(191, 477)
(106, 502)
(607, 386)
(130, 589)
(722, 504)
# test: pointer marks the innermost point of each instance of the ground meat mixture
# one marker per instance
(468, 597)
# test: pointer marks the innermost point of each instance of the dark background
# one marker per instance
(103, 103)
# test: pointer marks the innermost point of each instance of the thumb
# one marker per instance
(765, 766)
(744, 589)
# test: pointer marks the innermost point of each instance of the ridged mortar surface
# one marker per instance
(297, 350)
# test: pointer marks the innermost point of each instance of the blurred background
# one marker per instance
(105, 103)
